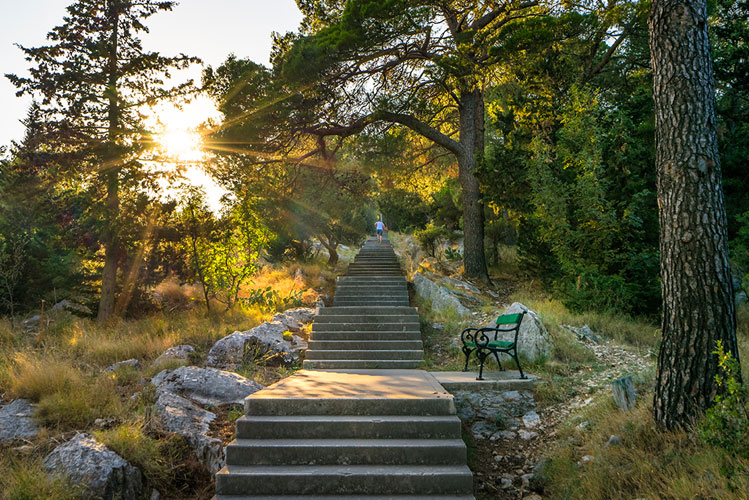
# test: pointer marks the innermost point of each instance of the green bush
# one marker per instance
(431, 236)
(269, 299)
(726, 424)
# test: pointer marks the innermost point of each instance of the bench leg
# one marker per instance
(514, 355)
(482, 357)
(467, 351)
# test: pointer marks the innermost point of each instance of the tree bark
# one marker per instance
(332, 247)
(697, 291)
(472, 140)
(110, 175)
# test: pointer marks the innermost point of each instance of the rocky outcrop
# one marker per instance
(176, 353)
(295, 319)
(16, 422)
(583, 333)
(461, 284)
(105, 474)
(66, 305)
(265, 341)
(534, 341)
(206, 385)
(181, 416)
(438, 297)
(132, 363)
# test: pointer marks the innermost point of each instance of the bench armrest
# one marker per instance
(468, 335)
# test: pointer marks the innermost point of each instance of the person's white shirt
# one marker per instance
(379, 225)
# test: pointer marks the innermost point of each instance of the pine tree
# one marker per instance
(697, 290)
(93, 82)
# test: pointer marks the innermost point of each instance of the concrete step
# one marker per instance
(374, 271)
(346, 452)
(366, 318)
(348, 427)
(360, 364)
(371, 301)
(345, 295)
(374, 290)
(354, 345)
(353, 392)
(364, 295)
(360, 354)
(360, 274)
(344, 480)
(372, 281)
(373, 265)
(364, 335)
(369, 271)
(371, 285)
(346, 497)
(342, 311)
(364, 325)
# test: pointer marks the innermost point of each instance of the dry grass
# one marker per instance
(24, 478)
(742, 334)
(648, 463)
(36, 377)
(62, 371)
(636, 332)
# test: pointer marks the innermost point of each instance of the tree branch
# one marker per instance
(488, 18)
(425, 130)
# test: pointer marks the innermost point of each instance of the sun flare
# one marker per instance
(181, 145)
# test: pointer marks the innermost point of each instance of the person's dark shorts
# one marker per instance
(379, 232)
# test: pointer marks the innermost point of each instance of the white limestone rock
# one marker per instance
(66, 305)
(206, 385)
(534, 341)
(531, 419)
(176, 353)
(132, 363)
(461, 284)
(293, 317)
(439, 297)
(105, 474)
(16, 422)
(264, 341)
(181, 416)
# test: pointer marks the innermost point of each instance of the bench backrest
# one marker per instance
(509, 323)
(510, 319)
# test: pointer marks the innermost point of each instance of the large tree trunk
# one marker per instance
(472, 140)
(698, 305)
(111, 179)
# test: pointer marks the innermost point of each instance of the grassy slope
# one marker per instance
(61, 370)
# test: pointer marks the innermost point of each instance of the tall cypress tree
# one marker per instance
(93, 81)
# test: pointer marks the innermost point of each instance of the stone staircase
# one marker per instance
(370, 324)
(353, 424)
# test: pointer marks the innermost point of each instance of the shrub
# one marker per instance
(268, 298)
(726, 424)
(431, 236)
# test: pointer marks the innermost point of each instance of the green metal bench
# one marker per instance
(486, 341)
